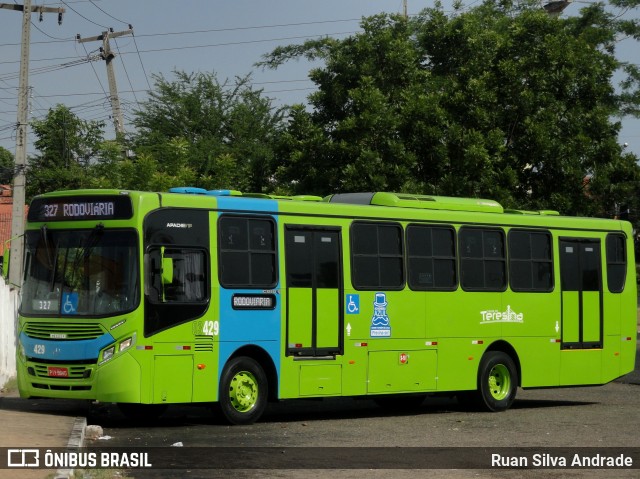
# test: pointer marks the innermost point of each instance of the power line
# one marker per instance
(212, 30)
(140, 58)
(94, 71)
(209, 45)
(125, 70)
(133, 91)
(81, 15)
(107, 14)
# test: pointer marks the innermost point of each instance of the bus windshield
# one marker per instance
(90, 272)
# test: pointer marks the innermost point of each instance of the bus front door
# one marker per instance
(582, 305)
(314, 291)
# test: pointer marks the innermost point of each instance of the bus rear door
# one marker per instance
(581, 272)
(314, 291)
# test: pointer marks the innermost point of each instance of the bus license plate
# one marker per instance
(58, 372)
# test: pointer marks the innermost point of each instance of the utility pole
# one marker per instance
(404, 9)
(108, 56)
(19, 179)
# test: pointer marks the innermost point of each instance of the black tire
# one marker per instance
(142, 412)
(243, 391)
(497, 381)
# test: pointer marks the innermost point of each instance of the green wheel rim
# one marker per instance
(499, 382)
(243, 391)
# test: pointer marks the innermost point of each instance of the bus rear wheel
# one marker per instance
(243, 391)
(497, 381)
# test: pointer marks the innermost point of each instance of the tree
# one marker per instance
(67, 147)
(6, 166)
(500, 101)
(223, 134)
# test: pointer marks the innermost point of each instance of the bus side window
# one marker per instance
(482, 259)
(431, 258)
(616, 262)
(377, 256)
(247, 252)
(177, 275)
(530, 261)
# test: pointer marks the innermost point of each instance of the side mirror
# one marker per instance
(167, 268)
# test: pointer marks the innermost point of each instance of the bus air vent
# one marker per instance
(64, 331)
(405, 200)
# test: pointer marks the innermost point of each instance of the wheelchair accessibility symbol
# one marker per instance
(69, 303)
(353, 304)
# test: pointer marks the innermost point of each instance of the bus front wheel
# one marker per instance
(243, 391)
(497, 381)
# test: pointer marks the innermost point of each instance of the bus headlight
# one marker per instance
(126, 344)
(108, 353)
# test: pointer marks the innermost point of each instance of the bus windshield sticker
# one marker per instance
(69, 303)
(380, 326)
(495, 316)
(353, 304)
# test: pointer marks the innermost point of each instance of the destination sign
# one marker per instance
(80, 208)
(253, 301)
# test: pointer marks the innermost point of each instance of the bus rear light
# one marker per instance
(298, 345)
(555, 340)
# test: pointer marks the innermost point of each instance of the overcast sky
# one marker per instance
(223, 36)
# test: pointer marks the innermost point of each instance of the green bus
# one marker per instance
(193, 296)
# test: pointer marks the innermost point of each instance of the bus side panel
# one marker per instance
(534, 334)
(113, 388)
(248, 328)
(255, 328)
(629, 313)
(581, 367)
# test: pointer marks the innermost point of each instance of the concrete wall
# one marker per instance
(9, 300)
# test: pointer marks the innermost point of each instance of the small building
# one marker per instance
(6, 212)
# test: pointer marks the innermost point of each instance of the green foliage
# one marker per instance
(208, 134)
(499, 101)
(66, 147)
(6, 166)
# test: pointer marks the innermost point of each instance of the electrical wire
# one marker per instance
(81, 15)
(125, 70)
(144, 70)
(107, 14)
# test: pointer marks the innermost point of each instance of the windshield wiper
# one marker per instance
(90, 243)
(45, 237)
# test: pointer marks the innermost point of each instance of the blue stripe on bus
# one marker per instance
(87, 349)
(238, 328)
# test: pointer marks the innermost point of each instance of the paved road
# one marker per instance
(599, 417)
